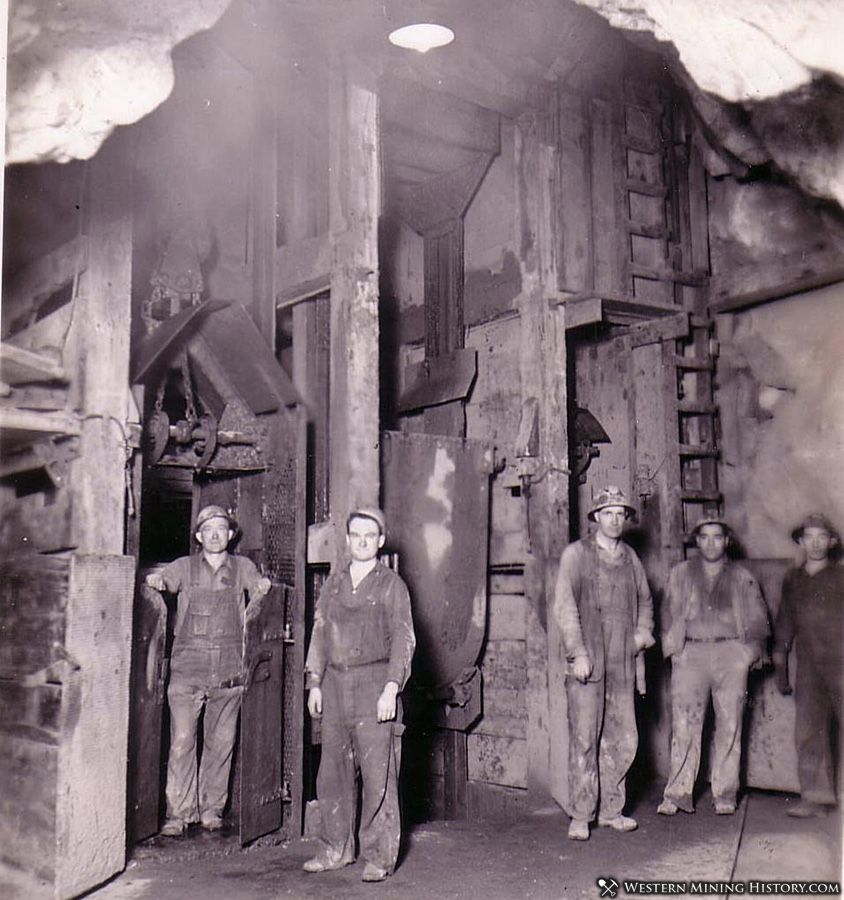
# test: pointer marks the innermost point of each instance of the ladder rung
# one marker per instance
(665, 274)
(696, 407)
(694, 363)
(690, 496)
(641, 144)
(640, 186)
(645, 230)
(697, 450)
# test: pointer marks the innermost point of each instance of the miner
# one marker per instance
(358, 662)
(714, 630)
(811, 616)
(603, 606)
(206, 666)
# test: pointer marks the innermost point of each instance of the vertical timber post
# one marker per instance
(543, 373)
(355, 205)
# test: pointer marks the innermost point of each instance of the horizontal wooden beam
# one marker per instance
(21, 366)
(42, 278)
(793, 274)
(303, 268)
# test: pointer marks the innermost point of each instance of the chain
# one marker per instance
(190, 409)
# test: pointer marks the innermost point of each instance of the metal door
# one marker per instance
(262, 787)
(147, 693)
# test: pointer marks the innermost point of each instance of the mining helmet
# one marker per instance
(369, 512)
(713, 519)
(212, 512)
(610, 496)
(815, 520)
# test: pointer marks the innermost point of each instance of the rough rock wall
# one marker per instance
(766, 78)
(781, 396)
(77, 70)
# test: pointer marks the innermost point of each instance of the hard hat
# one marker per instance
(610, 496)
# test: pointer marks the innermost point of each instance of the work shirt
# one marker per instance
(812, 612)
(730, 607)
(237, 571)
(582, 599)
(359, 626)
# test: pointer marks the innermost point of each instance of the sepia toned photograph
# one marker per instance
(421, 425)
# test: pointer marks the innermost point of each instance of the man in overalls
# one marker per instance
(358, 662)
(603, 606)
(205, 668)
(714, 629)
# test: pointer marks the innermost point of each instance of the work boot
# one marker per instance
(578, 830)
(618, 823)
(806, 809)
(211, 822)
(371, 872)
(668, 808)
(325, 862)
(724, 808)
(174, 828)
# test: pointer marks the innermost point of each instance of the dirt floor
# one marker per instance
(529, 858)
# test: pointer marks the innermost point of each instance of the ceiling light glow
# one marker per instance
(421, 37)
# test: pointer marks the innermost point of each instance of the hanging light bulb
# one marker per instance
(422, 36)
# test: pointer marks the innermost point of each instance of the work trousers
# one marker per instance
(189, 798)
(705, 669)
(354, 741)
(817, 697)
(602, 731)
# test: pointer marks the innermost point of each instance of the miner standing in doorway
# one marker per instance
(358, 662)
(715, 625)
(604, 609)
(206, 668)
(811, 615)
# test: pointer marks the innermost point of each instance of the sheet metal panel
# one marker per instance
(436, 497)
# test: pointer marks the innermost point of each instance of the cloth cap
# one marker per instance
(369, 512)
(815, 520)
(711, 520)
(212, 512)
(610, 496)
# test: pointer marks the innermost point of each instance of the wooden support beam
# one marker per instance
(354, 214)
(793, 274)
(543, 376)
(263, 203)
(97, 353)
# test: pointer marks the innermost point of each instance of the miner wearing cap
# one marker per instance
(603, 606)
(811, 616)
(358, 662)
(206, 668)
(714, 630)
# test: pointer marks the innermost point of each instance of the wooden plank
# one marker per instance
(498, 760)
(640, 186)
(100, 354)
(503, 726)
(669, 328)
(507, 617)
(574, 217)
(42, 278)
(447, 376)
(21, 366)
(355, 179)
(303, 268)
(604, 206)
(782, 277)
(658, 273)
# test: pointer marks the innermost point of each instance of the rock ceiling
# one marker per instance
(766, 76)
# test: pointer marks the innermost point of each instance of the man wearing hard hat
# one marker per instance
(603, 606)
(205, 668)
(811, 615)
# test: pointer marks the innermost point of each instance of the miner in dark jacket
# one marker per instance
(358, 662)
(811, 615)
